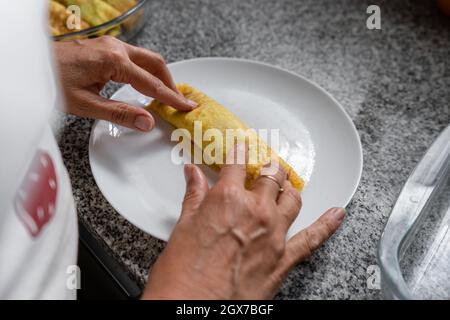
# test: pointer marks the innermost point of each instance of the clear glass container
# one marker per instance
(124, 27)
(414, 249)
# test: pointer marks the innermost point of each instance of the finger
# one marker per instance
(151, 86)
(270, 180)
(303, 244)
(234, 170)
(289, 203)
(153, 63)
(94, 106)
(196, 190)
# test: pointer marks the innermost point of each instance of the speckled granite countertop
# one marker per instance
(394, 83)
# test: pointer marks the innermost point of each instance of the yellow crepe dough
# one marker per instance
(215, 116)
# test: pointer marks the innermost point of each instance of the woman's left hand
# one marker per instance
(85, 66)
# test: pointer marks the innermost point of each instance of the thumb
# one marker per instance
(98, 107)
(196, 190)
(303, 244)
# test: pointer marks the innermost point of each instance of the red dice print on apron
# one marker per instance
(35, 200)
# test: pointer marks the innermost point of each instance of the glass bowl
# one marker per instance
(414, 249)
(124, 27)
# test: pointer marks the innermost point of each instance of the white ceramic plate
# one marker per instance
(135, 173)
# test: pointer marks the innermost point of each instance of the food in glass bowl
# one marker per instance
(75, 19)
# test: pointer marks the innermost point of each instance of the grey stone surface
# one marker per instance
(394, 83)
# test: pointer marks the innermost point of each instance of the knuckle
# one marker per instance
(120, 72)
(231, 168)
(264, 219)
(159, 60)
(285, 218)
(190, 196)
(279, 247)
(108, 40)
(106, 59)
(158, 87)
(230, 193)
(326, 226)
(120, 113)
(306, 248)
(114, 55)
(114, 61)
(312, 241)
(250, 204)
(295, 196)
(192, 193)
(261, 215)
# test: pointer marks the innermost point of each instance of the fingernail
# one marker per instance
(191, 103)
(187, 173)
(339, 214)
(143, 123)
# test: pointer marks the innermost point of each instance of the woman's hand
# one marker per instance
(230, 243)
(85, 66)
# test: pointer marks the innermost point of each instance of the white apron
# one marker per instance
(38, 225)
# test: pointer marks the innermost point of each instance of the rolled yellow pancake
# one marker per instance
(215, 116)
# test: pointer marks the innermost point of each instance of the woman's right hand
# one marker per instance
(230, 243)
